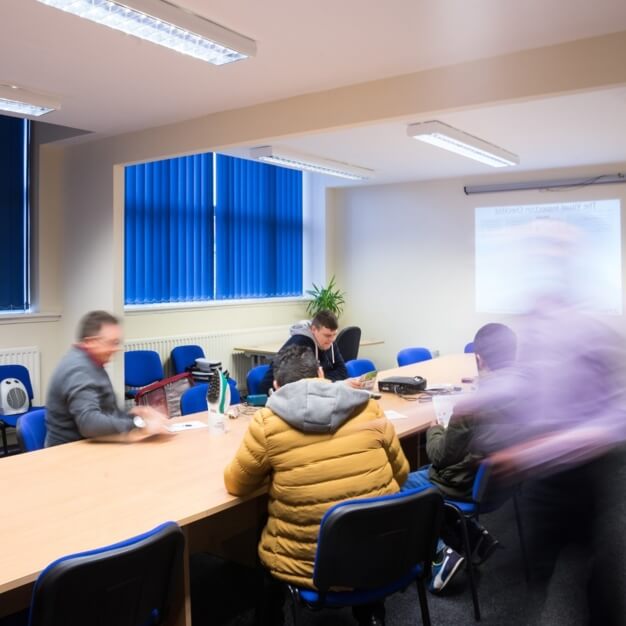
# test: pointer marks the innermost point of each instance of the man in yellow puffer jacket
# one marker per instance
(320, 444)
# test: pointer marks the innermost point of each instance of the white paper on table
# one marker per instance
(180, 426)
(444, 405)
(394, 415)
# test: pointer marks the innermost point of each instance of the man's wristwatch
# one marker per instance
(139, 422)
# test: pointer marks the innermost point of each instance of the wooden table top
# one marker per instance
(85, 494)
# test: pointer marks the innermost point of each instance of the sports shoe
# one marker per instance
(444, 571)
(485, 547)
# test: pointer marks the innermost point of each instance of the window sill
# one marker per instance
(138, 309)
(28, 318)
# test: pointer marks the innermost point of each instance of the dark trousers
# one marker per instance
(270, 608)
(585, 505)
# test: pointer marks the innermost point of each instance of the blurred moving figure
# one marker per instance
(568, 394)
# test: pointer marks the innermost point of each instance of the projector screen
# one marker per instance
(568, 249)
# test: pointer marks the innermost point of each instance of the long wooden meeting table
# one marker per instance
(83, 495)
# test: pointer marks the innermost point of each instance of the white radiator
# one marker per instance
(217, 346)
(28, 357)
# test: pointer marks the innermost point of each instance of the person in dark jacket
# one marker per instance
(319, 334)
(455, 451)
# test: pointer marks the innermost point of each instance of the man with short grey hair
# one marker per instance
(81, 402)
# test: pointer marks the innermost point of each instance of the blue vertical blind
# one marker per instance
(169, 231)
(258, 223)
(14, 234)
(174, 247)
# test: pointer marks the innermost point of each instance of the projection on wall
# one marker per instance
(566, 250)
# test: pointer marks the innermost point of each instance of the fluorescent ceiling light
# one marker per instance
(165, 24)
(444, 136)
(14, 99)
(309, 163)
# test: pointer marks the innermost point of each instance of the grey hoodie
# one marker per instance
(313, 405)
(330, 360)
(304, 328)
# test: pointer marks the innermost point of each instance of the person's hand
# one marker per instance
(156, 422)
(355, 383)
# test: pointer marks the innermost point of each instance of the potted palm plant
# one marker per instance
(330, 298)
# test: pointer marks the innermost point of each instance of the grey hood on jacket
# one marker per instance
(304, 328)
(313, 405)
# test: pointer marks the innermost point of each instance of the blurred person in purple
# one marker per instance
(567, 393)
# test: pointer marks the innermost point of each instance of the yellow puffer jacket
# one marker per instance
(330, 443)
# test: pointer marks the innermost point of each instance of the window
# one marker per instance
(181, 247)
(14, 209)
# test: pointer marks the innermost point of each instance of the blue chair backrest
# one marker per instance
(358, 367)
(21, 373)
(413, 355)
(184, 357)
(469, 347)
(370, 542)
(194, 399)
(142, 367)
(77, 589)
(487, 493)
(254, 378)
(31, 430)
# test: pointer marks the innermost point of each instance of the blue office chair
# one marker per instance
(413, 355)
(194, 399)
(373, 547)
(348, 341)
(10, 421)
(184, 357)
(358, 367)
(128, 583)
(469, 348)
(31, 430)
(254, 378)
(485, 499)
(141, 368)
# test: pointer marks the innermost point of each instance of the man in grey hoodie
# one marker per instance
(319, 334)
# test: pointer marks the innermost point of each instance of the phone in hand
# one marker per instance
(366, 381)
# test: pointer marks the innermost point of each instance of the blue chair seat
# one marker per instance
(337, 599)
(12, 420)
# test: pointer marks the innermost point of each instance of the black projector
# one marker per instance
(403, 385)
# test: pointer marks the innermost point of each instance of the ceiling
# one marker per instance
(110, 83)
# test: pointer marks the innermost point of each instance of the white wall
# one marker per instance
(405, 255)
(374, 231)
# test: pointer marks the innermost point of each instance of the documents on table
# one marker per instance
(394, 415)
(180, 426)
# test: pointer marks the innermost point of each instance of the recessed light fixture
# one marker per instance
(15, 99)
(309, 163)
(166, 24)
(449, 138)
